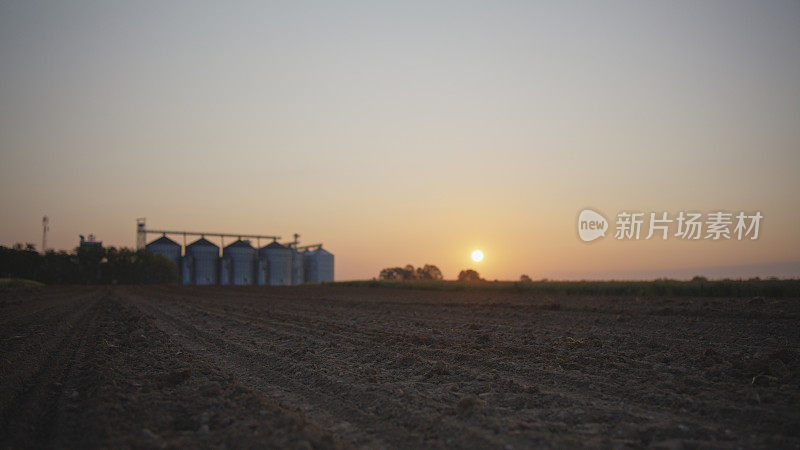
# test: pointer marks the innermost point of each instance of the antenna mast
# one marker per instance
(45, 228)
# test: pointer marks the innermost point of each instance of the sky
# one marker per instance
(408, 132)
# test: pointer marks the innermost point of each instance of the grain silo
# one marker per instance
(318, 265)
(242, 258)
(225, 270)
(262, 271)
(187, 268)
(167, 247)
(204, 256)
(279, 264)
(298, 271)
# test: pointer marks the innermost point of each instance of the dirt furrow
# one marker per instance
(35, 401)
(505, 374)
(633, 360)
(352, 402)
(392, 366)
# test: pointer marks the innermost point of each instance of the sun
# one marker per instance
(477, 256)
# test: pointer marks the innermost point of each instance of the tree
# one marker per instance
(87, 265)
(20, 262)
(89, 259)
(469, 275)
(525, 279)
(428, 272)
(393, 274)
(155, 268)
(409, 273)
(59, 267)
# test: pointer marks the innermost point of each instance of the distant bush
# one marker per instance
(87, 265)
(525, 279)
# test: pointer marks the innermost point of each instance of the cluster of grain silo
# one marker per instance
(243, 264)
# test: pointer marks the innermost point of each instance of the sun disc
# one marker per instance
(477, 256)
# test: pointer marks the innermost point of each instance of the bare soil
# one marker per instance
(331, 367)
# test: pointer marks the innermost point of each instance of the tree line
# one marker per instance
(409, 273)
(428, 272)
(91, 264)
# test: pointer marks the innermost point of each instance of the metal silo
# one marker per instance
(318, 265)
(309, 269)
(187, 268)
(242, 256)
(204, 256)
(262, 271)
(167, 247)
(298, 271)
(324, 264)
(279, 263)
(225, 270)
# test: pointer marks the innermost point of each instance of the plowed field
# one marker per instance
(327, 367)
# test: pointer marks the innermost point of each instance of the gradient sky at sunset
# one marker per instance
(407, 132)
